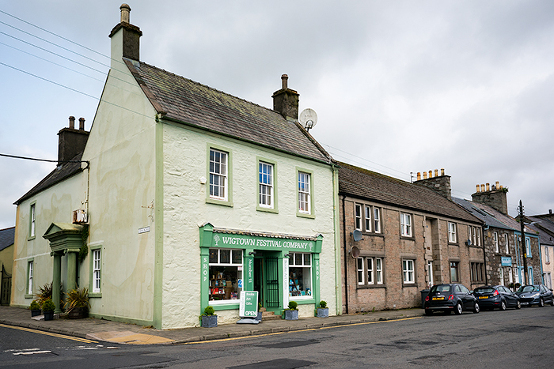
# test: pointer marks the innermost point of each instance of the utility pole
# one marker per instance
(523, 244)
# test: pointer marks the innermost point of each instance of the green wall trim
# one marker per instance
(145, 323)
(158, 227)
(337, 242)
(234, 306)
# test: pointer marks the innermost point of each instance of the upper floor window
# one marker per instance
(452, 237)
(376, 220)
(32, 221)
(506, 239)
(406, 224)
(265, 178)
(304, 195)
(218, 174)
(496, 246)
(358, 217)
(528, 246)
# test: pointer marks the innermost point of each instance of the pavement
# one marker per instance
(124, 333)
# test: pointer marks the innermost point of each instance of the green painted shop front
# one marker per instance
(280, 267)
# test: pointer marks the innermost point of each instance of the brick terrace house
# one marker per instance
(398, 238)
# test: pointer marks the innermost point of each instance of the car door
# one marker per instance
(465, 296)
(508, 295)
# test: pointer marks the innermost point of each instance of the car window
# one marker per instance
(526, 289)
(440, 288)
(503, 289)
(483, 290)
(542, 288)
(463, 289)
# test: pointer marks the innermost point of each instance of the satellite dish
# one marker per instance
(355, 252)
(357, 235)
(308, 118)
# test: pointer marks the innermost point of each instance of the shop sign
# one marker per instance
(248, 306)
(263, 243)
(506, 261)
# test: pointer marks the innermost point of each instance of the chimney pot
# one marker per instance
(418, 176)
(549, 211)
(81, 124)
(125, 13)
(476, 188)
(284, 80)
(488, 188)
(424, 175)
(436, 172)
(482, 188)
(72, 122)
(442, 171)
(430, 174)
(497, 185)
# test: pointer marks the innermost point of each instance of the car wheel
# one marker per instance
(428, 312)
(518, 305)
(502, 305)
(541, 302)
(458, 309)
(476, 308)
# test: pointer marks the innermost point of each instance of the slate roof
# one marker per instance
(185, 101)
(545, 227)
(7, 237)
(366, 184)
(488, 215)
(59, 174)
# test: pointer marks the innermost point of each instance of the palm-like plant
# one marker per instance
(76, 298)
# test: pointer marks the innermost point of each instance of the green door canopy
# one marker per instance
(65, 237)
(226, 238)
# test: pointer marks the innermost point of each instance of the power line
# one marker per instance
(46, 160)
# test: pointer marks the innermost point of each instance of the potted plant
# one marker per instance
(291, 313)
(35, 308)
(323, 310)
(209, 319)
(48, 308)
(77, 303)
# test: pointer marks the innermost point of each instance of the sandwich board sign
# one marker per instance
(248, 307)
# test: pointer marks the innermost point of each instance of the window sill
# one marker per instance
(219, 202)
(267, 210)
(31, 238)
(305, 215)
(409, 284)
(302, 300)
(27, 296)
(380, 234)
(371, 286)
(95, 295)
(411, 238)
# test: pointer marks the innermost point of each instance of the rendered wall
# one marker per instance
(185, 209)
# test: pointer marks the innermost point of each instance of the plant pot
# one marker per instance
(35, 312)
(291, 314)
(48, 315)
(209, 321)
(323, 312)
(78, 313)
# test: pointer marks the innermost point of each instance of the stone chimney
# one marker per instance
(438, 183)
(285, 100)
(71, 141)
(494, 197)
(125, 39)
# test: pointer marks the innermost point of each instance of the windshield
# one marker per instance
(528, 289)
(440, 288)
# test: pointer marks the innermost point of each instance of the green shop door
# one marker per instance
(271, 276)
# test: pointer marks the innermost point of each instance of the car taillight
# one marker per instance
(495, 293)
(427, 298)
(451, 297)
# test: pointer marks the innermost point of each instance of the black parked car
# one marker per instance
(535, 294)
(500, 297)
(450, 297)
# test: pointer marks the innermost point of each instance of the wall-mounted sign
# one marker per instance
(506, 261)
(144, 230)
(248, 307)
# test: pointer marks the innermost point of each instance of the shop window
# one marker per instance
(408, 271)
(225, 274)
(300, 274)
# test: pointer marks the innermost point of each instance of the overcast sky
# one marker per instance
(398, 86)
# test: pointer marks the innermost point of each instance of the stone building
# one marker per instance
(398, 238)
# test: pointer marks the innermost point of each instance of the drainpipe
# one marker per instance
(346, 295)
(486, 227)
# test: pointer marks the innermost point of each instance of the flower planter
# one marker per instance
(291, 314)
(209, 321)
(78, 313)
(323, 312)
(48, 315)
(35, 312)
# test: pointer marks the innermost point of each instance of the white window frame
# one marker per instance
(96, 270)
(430, 272)
(229, 264)
(369, 271)
(222, 174)
(265, 185)
(478, 233)
(406, 224)
(547, 255)
(376, 219)
(360, 271)
(378, 270)
(528, 246)
(408, 271)
(496, 243)
(358, 217)
(304, 192)
(367, 218)
(530, 275)
(30, 273)
(507, 239)
(292, 263)
(32, 220)
(452, 234)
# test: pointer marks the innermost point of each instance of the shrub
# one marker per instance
(209, 310)
(323, 304)
(77, 298)
(48, 306)
(292, 305)
(34, 305)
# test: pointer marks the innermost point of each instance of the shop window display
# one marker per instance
(225, 274)
(300, 274)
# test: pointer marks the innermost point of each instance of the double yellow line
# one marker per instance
(78, 339)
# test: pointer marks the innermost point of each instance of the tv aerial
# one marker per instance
(308, 119)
